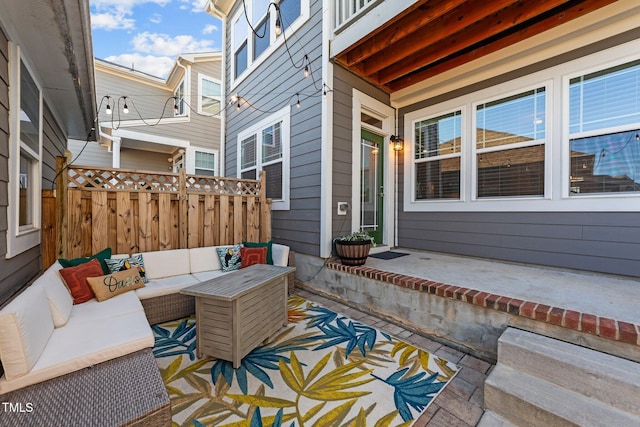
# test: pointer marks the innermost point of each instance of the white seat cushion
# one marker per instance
(125, 303)
(81, 345)
(203, 276)
(165, 286)
(280, 254)
(169, 263)
(204, 259)
(25, 327)
(60, 300)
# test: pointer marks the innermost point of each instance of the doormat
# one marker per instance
(323, 369)
(388, 255)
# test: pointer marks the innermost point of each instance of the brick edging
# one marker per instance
(604, 327)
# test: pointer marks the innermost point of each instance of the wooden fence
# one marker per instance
(133, 211)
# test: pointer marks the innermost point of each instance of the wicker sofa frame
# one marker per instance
(168, 307)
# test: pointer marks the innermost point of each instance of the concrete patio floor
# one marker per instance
(460, 404)
(605, 295)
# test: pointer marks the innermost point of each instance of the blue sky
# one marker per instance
(151, 33)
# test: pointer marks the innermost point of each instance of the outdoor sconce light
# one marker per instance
(397, 143)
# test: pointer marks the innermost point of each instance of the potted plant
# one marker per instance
(353, 249)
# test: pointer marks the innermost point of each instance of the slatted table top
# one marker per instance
(232, 286)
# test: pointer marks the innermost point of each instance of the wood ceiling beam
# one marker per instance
(473, 34)
(573, 12)
(410, 21)
(457, 20)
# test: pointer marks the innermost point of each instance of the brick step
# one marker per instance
(524, 400)
(609, 379)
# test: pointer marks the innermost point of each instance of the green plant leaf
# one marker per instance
(264, 401)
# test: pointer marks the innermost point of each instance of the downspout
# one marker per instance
(395, 184)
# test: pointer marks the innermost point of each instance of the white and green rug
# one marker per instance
(323, 369)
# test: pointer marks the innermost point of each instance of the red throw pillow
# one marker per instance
(250, 256)
(76, 280)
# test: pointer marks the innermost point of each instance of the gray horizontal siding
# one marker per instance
(270, 88)
(607, 242)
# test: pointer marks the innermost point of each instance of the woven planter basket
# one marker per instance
(352, 252)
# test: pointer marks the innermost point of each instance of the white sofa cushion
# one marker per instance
(204, 259)
(165, 286)
(280, 254)
(83, 344)
(25, 327)
(60, 300)
(203, 276)
(158, 264)
(122, 304)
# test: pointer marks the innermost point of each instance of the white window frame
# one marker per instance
(557, 198)
(185, 98)
(463, 142)
(284, 116)
(22, 238)
(202, 77)
(548, 85)
(275, 42)
(191, 159)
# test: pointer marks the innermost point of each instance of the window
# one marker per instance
(180, 94)
(604, 118)
(25, 157)
(437, 148)
(250, 49)
(510, 137)
(205, 163)
(210, 91)
(265, 147)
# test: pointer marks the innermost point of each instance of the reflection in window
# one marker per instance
(179, 94)
(289, 12)
(437, 148)
(205, 163)
(510, 137)
(26, 192)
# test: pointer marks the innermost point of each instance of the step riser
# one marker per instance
(611, 380)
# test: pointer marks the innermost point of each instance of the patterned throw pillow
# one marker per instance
(230, 257)
(252, 256)
(122, 264)
(105, 287)
(100, 256)
(268, 245)
(76, 280)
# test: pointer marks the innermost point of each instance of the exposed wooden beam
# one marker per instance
(411, 20)
(573, 12)
(451, 23)
(473, 34)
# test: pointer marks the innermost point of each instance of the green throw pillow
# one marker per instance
(261, 245)
(100, 256)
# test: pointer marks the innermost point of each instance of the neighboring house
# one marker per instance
(46, 97)
(170, 123)
(519, 123)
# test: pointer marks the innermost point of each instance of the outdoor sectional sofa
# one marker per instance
(46, 342)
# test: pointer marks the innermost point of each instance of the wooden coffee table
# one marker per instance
(236, 312)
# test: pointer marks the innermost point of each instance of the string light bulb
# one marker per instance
(125, 108)
(176, 109)
(238, 107)
(298, 100)
(324, 90)
(306, 66)
(278, 28)
(108, 111)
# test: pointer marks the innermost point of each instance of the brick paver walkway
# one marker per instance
(461, 402)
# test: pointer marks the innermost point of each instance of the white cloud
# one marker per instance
(163, 44)
(111, 21)
(210, 28)
(194, 5)
(155, 65)
(156, 18)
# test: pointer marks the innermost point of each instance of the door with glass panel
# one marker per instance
(371, 184)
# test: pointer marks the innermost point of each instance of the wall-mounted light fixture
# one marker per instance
(396, 143)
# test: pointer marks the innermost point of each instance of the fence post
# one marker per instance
(62, 182)
(183, 209)
(265, 209)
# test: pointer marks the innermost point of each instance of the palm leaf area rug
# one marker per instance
(323, 369)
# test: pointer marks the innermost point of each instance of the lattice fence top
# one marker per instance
(221, 185)
(94, 178)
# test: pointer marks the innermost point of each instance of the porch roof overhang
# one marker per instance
(56, 36)
(432, 37)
